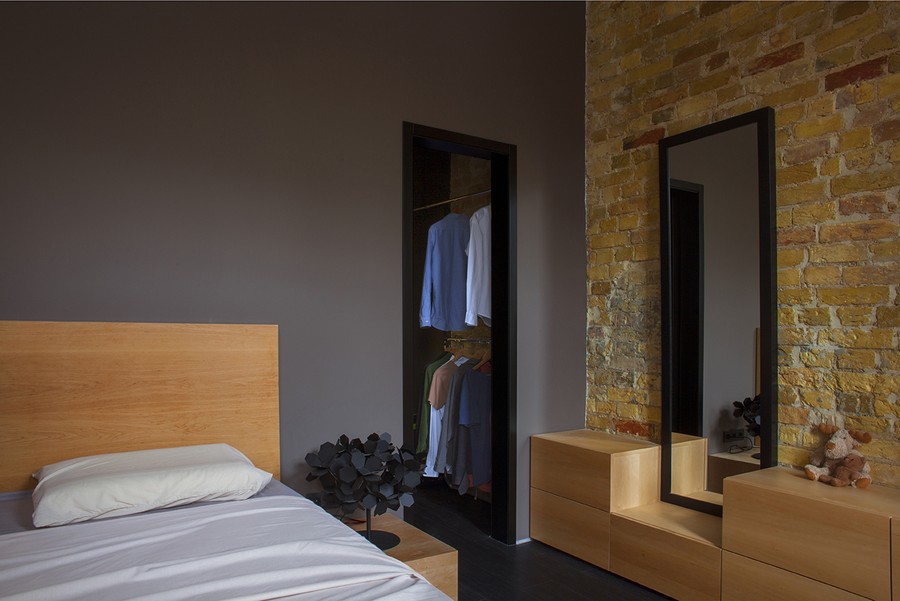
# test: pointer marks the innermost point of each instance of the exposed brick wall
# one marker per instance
(831, 71)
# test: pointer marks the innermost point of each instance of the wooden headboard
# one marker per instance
(69, 389)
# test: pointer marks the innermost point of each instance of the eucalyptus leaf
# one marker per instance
(406, 499)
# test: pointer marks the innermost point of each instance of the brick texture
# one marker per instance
(831, 71)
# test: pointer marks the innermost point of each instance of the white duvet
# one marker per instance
(262, 548)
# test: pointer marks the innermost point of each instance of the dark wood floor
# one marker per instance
(492, 571)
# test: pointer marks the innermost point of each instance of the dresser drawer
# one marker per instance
(569, 526)
(745, 579)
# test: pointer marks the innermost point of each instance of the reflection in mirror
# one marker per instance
(718, 333)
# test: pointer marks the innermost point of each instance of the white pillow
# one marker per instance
(104, 486)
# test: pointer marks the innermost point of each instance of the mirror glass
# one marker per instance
(717, 221)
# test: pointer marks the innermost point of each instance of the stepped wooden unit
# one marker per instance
(596, 496)
(428, 556)
(809, 540)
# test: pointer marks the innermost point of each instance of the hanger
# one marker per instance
(484, 359)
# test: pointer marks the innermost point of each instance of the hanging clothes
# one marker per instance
(441, 384)
(444, 285)
(473, 453)
(478, 268)
(425, 407)
(446, 447)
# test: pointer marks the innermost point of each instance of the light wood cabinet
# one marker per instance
(577, 478)
(837, 536)
(746, 579)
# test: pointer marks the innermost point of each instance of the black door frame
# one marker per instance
(503, 302)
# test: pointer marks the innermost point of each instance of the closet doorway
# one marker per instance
(446, 173)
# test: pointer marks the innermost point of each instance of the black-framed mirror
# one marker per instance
(717, 250)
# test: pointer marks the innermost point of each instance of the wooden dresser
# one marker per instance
(596, 496)
(807, 540)
(577, 478)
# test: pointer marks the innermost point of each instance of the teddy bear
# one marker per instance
(837, 462)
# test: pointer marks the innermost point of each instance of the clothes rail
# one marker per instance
(473, 340)
(443, 202)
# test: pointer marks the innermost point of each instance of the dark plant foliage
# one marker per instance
(749, 410)
(371, 474)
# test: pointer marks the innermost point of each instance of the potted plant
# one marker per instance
(372, 475)
(749, 410)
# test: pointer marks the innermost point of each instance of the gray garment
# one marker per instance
(473, 451)
(450, 424)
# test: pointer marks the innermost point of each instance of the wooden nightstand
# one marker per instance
(428, 556)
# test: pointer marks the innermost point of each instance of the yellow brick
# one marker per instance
(813, 213)
(856, 359)
(890, 359)
(795, 93)
(886, 250)
(796, 174)
(793, 415)
(651, 70)
(629, 222)
(818, 399)
(875, 338)
(867, 424)
(886, 317)
(784, 218)
(866, 182)
(646, 252)
(858, 230)
(792, 10)
(854, 295)
(789, 116)
(795, 296)
(801, 194)
(603, 256)
(696, 104)
(889, 86)
(830, 167)
(852, 32)
(819, 127)
(815, 316)
(822, 275)
(609, 240)
(800, 377)
(788, 277)
(861, 159)
(598, 272)
(872, 274)
(796, 336)
(791, 257)
(885, 407)
(786, 316)
(856, 138)
(837, 253)
(817, 358)
(790, 455)
(625, 253)
(886, 474)
(855, 316)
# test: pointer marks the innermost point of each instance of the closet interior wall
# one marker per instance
(440, 175)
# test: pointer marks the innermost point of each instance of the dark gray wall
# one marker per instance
(242, 163)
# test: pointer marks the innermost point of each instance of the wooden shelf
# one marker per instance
(433, 559)
(701, 527)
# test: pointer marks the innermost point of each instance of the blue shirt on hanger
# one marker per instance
(444, 287)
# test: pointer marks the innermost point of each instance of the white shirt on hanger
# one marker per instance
(478, 275)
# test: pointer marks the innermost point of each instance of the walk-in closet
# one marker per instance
(459, 397)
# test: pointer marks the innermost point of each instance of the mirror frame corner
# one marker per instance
(764, 120)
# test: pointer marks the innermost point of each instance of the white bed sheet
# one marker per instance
(277, 547)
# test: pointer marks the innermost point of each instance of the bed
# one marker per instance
(81, 389)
